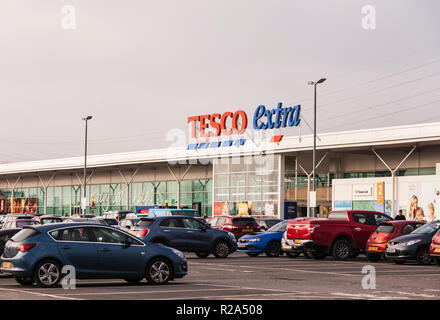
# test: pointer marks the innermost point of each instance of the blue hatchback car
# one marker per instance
(39, 253)
(186, 234)
(268, 242)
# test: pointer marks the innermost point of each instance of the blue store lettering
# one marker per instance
(289, 116)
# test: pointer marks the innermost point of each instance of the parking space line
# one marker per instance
(412, 294)
(290, 269)
(252, 288)
(39, 294)
(368, 296)
(147, 292)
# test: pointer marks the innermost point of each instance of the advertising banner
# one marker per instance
(380, 191)
(423, 202)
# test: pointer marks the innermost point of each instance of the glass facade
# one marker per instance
(246, 185)
(66, 200)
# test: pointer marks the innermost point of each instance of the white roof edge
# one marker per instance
(342, 139)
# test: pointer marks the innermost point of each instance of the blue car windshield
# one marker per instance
(428, 228)
(279, 227)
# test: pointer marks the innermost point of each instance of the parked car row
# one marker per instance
(38, 253)
(104, 247)
(346, 234)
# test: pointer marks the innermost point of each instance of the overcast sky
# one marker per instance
(142, 67)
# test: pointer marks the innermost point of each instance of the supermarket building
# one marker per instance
(379, 169)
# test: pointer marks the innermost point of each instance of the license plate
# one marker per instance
(247, 230)
(297, 241)
(241, 246)
(437, 250)
(391, 250)
(373, 248)
(6, 265)
(134, 232)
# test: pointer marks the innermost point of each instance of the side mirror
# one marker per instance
(128, 242)
(204, 228)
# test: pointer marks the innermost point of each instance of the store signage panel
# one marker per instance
(228, 123)
(363, 191)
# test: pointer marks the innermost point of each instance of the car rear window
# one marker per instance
(145, 223)
(50, 220)
(338, 216)
(24, 234)
(385, 228)
(244, 221)
(21, 224)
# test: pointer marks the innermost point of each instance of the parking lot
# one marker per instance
(244, 278)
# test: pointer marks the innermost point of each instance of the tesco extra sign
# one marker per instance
(216, 124)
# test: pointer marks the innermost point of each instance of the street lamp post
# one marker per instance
(314, 83)
(83, 202)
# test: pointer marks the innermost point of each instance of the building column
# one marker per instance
(12, 187)
(179, 180)
(394, 178)
(127, 185)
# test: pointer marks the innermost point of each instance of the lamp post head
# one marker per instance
(314, 83)
(87, 118)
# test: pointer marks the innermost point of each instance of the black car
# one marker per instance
(5, 235)
(107, 221)
(186, 234)
(413, 246)
(267, 223)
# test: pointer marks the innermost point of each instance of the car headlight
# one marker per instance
(179, 253)
(254, 240)
(410, 243)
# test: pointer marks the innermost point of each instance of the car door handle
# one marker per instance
(166, 230)
(358, 229)
(65, 248)
(105, 250)
(190, 232)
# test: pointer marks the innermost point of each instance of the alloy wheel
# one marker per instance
(48, 274)
(159, 271)
(424, 256)
(221, 250)
(342, 250)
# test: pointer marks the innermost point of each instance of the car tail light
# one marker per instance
(25, 247)
(313, 227)
(436, 239)
(144, 232)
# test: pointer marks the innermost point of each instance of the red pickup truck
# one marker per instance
(343, 234)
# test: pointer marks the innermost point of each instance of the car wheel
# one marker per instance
(318, 254)
(292, 254)
(253, 254)
(341, 250)
(24, 281)
(47, 274)
(399, 261)
(273, 249)
(423, 256)
(158, 271)
(221, 249)
(373, 257)
(202, 254)
(307, 255)
(133, 280)
(438, 261)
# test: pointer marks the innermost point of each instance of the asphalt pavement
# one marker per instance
(240, 277)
